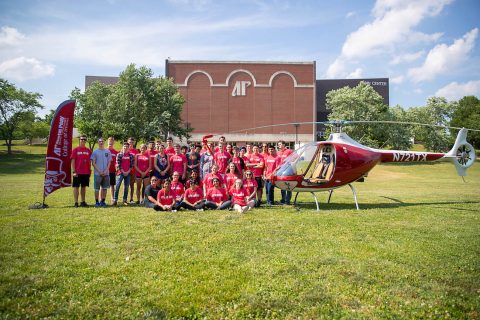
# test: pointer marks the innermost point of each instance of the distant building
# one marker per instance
(228, 97)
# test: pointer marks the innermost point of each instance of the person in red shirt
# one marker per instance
(111, 169)
(282, 153)
(133, 151)
(81, 170)
(271, 163)
(221, 159)
(170, 150)
(249, 150)
(221, 141)
(250, 184)
(193, 197)
(264, 152)
(217, 197)
(240, 200)
(231, 176)
(142, 170)
(177, 187)
(124, 167)
(256, 165)
(178, 163)
(208, 180)
(152, 152)
(238, 161)
(166, 198)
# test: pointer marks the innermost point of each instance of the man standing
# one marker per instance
(111, 170)
(170, 150)
(133, 151)
(221, 158)
(81, 170)
(256, 164)
(178, 163)
(282, 154)
(101, 159)
(124, 167)
(271, 163)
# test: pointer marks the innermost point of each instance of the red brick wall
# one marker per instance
(211, 108)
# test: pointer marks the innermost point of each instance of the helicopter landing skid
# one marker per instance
(330, 196)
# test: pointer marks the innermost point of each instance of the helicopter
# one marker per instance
(340, 160)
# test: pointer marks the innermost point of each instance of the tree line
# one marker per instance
(147, 107)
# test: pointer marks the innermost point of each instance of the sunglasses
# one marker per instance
(248, 174)
(83, 139)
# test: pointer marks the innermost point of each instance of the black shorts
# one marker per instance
(81, 180)
(259, 182)
(113, 178)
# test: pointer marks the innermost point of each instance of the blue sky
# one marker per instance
(425, 47)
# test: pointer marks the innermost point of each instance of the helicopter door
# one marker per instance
(323, 171)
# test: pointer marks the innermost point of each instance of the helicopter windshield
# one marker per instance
(297, 163)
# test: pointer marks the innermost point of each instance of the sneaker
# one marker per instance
(83, 204)
(103, 204)
(125, 203)
(131, 201)
(199, 210)
(97, 204)
(174, 210)
(137, 202)
(76, 205)
(114, 203)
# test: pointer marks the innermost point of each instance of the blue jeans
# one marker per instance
(270, 189)
(126, 184)
(286, 196)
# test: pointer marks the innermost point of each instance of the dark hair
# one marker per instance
(192, 182)
(170, 138)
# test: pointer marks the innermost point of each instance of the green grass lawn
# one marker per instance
(412, 251)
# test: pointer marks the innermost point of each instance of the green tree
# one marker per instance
(31, 127)
(437, 112)
(467, 115)
(14, 103)
(91, 110)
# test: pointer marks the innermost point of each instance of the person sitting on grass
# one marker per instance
(193, 197)
(217, 197)
(240, 200)
(208, 179)
(250, 185)
(166, 198)
(151, 192)
(177, 187)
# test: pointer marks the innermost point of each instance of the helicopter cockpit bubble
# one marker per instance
(297, 163)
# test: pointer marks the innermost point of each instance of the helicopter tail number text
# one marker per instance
(409, 156)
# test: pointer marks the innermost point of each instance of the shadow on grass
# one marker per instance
(21, 163)
(390, 205)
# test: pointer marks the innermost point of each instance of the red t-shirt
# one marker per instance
(143, 161)
(271, 163)
(236, 161)
(238, 196)
(250, 185)
(82, 160)
(176, 162)
(257, 159)
(169, 151)
(217, 195)
(193, 196)
(114, 153)
(208, 180)
(283, 154)
(133, 151)
(178, 188)
(221, 159)
(166, 198)
(125, 165)
(151, 154)
(230, 179)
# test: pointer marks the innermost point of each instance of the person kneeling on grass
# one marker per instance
(240, 200)
(151, 192)
(193, 197)
(166, 198)
(217, 197)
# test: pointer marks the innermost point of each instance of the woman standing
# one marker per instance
(161, 163)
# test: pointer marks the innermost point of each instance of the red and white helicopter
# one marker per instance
(340, 160)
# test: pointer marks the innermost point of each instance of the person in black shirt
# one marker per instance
(151, 192)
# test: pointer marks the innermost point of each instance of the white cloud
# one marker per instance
(397, 80)
(22, 68)
(10, 37)
(392, 26)
(443, 58)
(456, 91)
(358, 73)
(407, 57)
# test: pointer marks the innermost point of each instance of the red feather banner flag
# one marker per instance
(57, 161)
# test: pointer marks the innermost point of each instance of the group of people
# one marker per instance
(170, 177)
